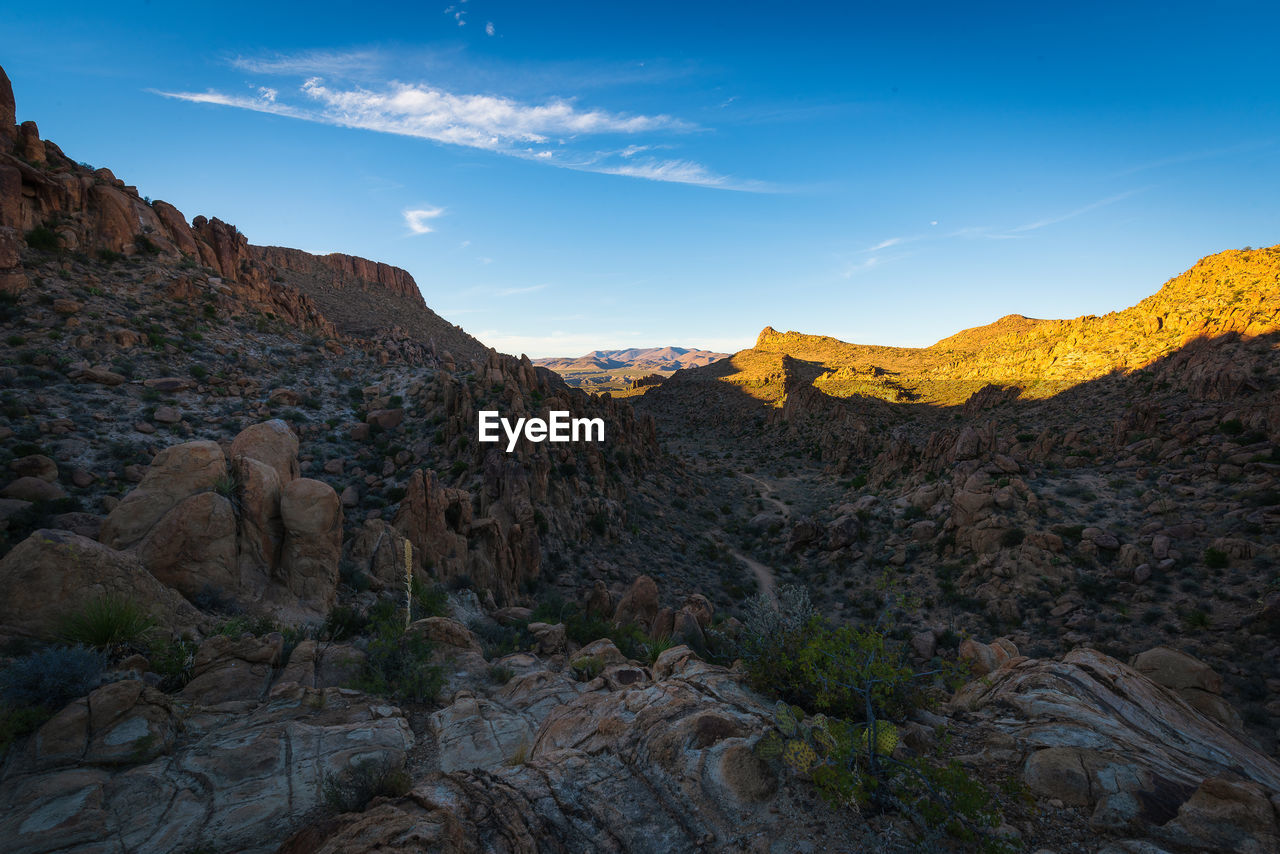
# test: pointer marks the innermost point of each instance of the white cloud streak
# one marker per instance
(544, 132)
(416, 219)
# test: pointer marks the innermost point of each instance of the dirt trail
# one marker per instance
(764, 575)
(768, 496)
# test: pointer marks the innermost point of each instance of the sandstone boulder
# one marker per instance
(1189, 678)
(33, 489)
(271, 442)
(312, 517)
(35, 465)
(51, 573)
(193, 546)
(177, 473)
(639, 604)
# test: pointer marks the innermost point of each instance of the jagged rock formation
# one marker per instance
(80, 209)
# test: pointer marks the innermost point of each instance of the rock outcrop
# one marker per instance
(1098, 734)
(126, 768)
(254, 531)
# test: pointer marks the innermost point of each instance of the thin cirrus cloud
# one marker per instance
(417, 218)
(507, 292)
(874, 259)
(547, 132)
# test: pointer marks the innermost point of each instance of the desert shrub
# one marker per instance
(36, 685)
(587, 667)
(428, 600)
(51, 677)
(173, 660)
(43, 239)
(497, 640)
(1215, 558)
(364, 780)
(656, 647)
(840, 688)
(108, 622)
(398, 663)
(500, 675)
(246, 624)
(1012, 537)
(1231, 427)
(344, 622)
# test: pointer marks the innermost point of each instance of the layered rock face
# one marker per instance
(1099, 735)
(233, 763)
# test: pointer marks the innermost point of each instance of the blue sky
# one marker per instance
(563, 177)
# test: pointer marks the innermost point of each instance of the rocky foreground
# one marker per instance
(580, 749)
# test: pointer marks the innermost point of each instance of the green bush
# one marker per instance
(840, 688)
(36, 685)
(1216, 558)
(108, 622)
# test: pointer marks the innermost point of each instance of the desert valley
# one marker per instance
(264, 590)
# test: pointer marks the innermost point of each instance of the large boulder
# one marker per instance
(260, 535)
(177, 473)
(1189, 678)
(271, 442)
(639, 604)
(52, 573)
(193, 547)
(312, 517)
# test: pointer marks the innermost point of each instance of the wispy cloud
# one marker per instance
(1054, 220)
(417, 218)
(489, 29)
(550, 130)
(309, 62)
(1193, 156)
(507, 292)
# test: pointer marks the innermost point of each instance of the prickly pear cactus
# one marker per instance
(789, 719)
(799, 756)
(886, 738)
(770, 745)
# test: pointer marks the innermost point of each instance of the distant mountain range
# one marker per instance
(635, 359)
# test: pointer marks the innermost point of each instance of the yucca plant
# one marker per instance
(108, 622)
